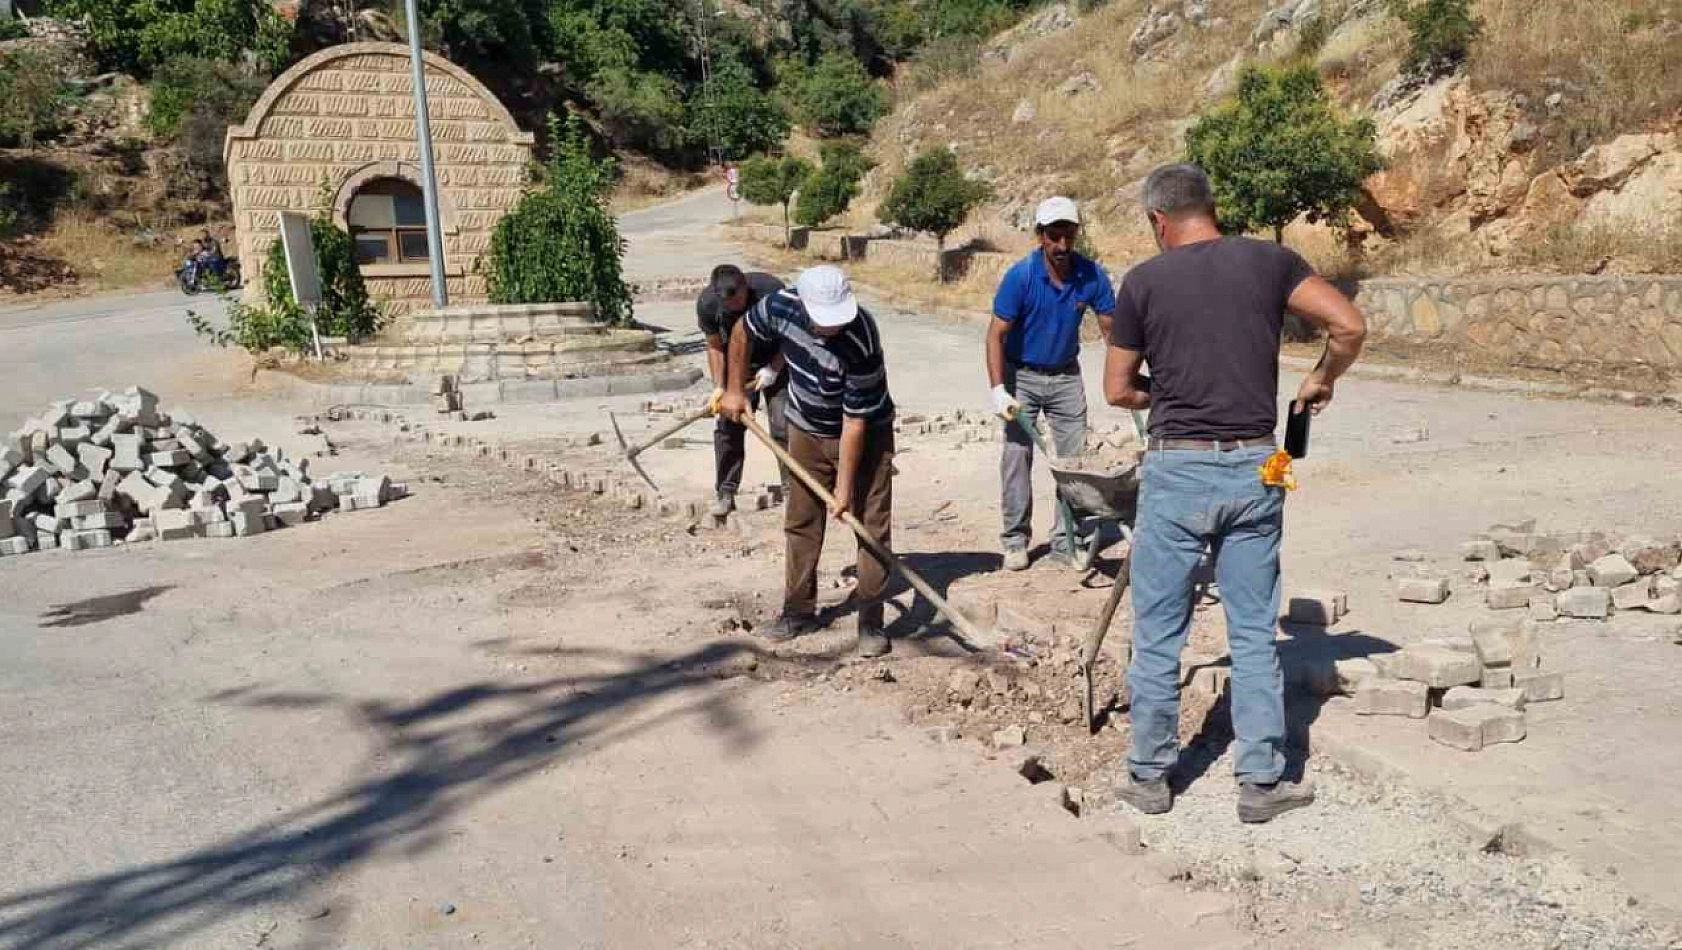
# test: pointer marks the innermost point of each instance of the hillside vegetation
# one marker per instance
(1492, 161)
(1512, 133)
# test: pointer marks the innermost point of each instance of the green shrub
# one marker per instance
(640, 109)
(8, 213)
(774, 181)
(734, 115)
(933, 195)
(1440, 34)
(138, 36)
(944, 59)
(345, 311)
(34, 99)
(1278, 149)
(561, 243)
(837, 97)
(13, 29)
(831, 189)
(220, 89)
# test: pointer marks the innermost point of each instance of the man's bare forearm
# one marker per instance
(1121, 368)
(853, 432)
(716, 360)
(996, 352)
(737, 362)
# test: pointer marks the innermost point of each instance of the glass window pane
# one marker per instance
(371, 211)
(410, 210)
(413, 244)
(373, 248)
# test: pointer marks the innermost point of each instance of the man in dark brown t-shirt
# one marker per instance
(1206, 314)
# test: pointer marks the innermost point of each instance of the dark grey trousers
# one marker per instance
(1054, 399)
(730, 440)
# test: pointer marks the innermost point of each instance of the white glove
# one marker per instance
(767, 377)
(1004, 404)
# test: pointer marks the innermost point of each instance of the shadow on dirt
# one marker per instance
(434, 758)
(1308, 648)
(81, 613)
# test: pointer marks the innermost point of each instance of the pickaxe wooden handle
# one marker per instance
(970, 631)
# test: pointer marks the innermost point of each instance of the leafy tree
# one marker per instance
(34, 98)
(837, 97)
(774, 181)
(828, 192)
(1278, 149)
(643, 110)
(492, 37)
(933, 195)
(561, 242)
(1440, 34)
(591, 36)
(733, 114)
(138, 36)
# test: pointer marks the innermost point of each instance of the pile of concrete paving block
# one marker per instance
(1586, 576)
(117, 469)
(1472, 690)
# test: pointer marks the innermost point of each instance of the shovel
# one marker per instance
(973, 634)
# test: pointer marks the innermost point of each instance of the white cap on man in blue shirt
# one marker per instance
(1056, 209)
(827, 295)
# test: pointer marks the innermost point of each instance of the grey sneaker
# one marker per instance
(723, 504)
(789, 626)
(873, 643)
(1016, 559)
(1151, 798)
(1261, 803)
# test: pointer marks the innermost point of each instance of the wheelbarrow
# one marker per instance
(1109, 495)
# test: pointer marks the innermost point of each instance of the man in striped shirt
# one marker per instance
(840, 428)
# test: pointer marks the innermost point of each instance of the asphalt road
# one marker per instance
(57, 350)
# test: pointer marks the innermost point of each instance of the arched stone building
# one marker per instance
(338, 129)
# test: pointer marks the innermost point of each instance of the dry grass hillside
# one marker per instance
(1088, 109)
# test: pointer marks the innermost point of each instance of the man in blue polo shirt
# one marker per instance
(1033, 350)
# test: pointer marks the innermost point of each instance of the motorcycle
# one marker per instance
(220, 274)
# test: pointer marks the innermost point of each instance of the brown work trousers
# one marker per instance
(807, 517)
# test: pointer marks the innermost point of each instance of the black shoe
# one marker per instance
(1261, 803)
(873, 643)
(789, 626)
(1151, 798)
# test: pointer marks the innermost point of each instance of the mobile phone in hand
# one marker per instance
(1296, 429)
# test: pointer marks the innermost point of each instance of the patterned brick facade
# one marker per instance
(345, 117)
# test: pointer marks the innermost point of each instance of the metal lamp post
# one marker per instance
(429, 181)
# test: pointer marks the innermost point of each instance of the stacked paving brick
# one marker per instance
(1583, 577)
(1587, 576)
(1472, 691)
(93, 473)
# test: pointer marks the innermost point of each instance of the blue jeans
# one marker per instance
(1189, 500)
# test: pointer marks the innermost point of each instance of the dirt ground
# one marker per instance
(503, 712)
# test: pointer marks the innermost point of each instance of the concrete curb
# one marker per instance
(1481, 827)
(505, 392)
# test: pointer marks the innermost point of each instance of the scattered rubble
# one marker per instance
(117, 469)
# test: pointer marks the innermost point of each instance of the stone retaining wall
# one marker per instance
(1536, 320)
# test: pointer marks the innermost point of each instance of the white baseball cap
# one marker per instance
(828, 296)
(1055, 209)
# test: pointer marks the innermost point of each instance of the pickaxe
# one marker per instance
(632, 451)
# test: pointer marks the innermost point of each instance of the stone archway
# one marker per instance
(344, 117)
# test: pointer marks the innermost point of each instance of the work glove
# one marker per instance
(1004, 404)
(714, 401)
(767, 377)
